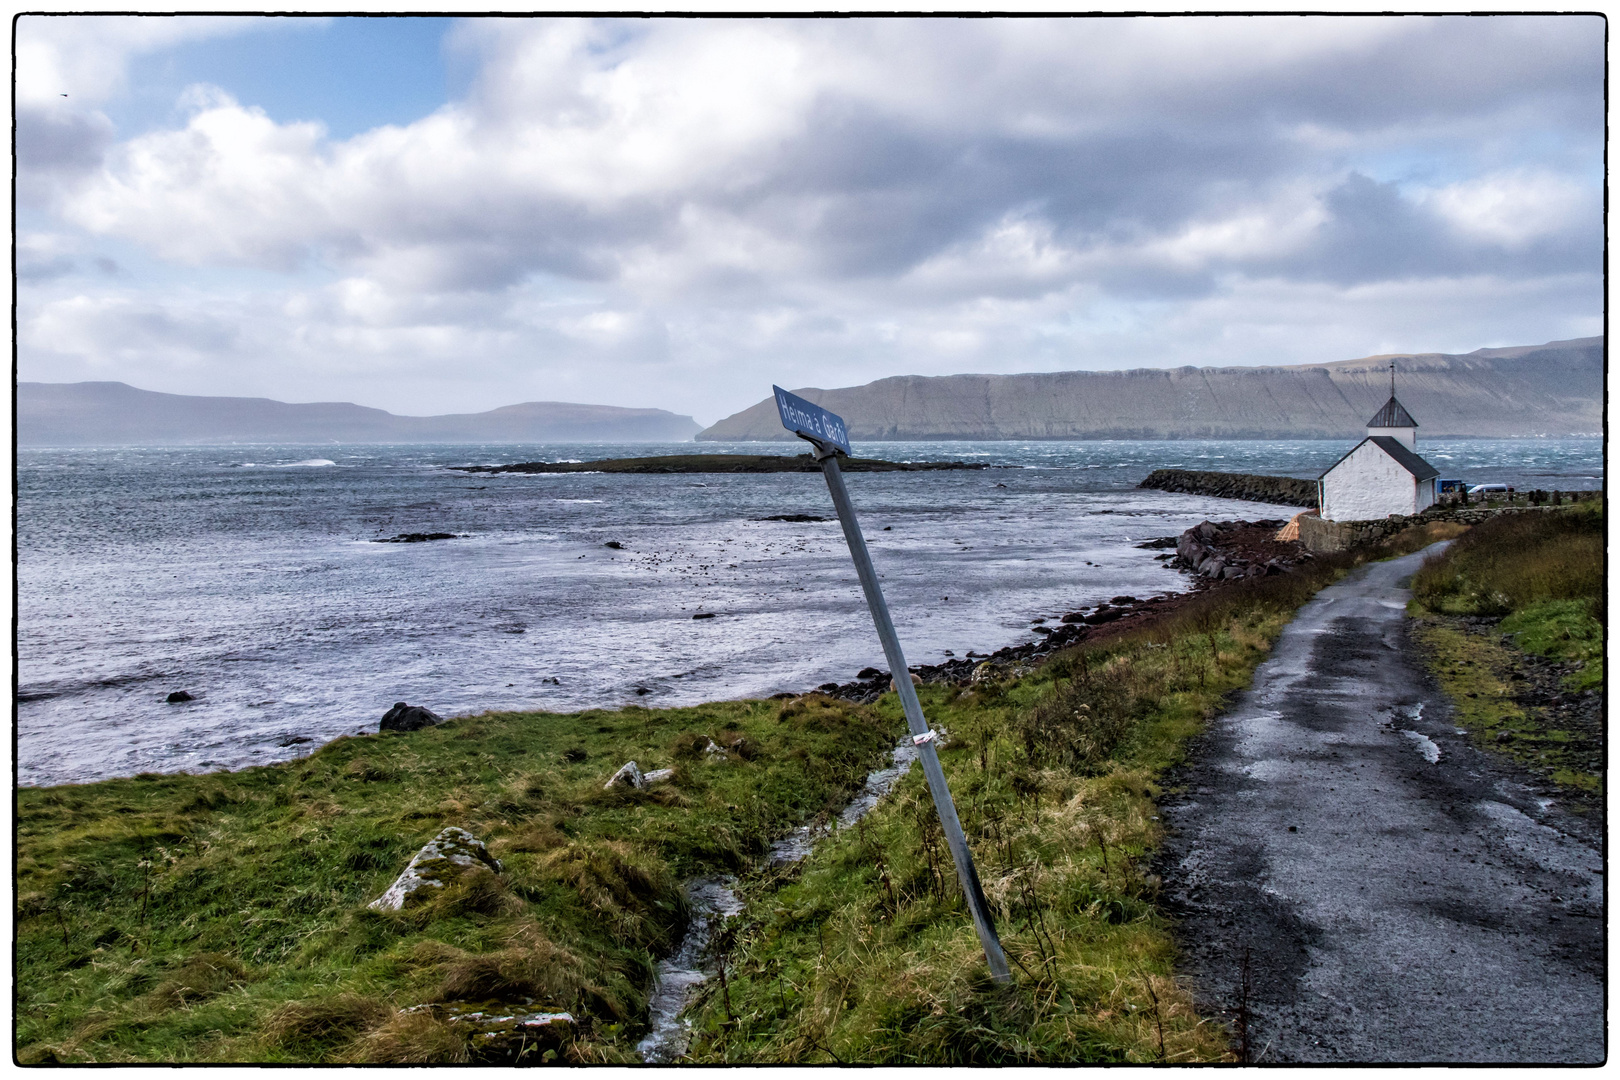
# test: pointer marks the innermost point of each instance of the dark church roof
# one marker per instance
(1393, 414)
(1421, 470)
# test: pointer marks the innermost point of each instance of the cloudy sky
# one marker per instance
(435, 216)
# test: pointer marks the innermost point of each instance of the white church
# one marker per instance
(1383, 475)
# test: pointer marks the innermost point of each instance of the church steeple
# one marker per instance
(1393, 419)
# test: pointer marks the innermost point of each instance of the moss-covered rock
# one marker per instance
(441, 861)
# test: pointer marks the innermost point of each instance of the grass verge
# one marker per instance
(1515, 588)
(865, 952)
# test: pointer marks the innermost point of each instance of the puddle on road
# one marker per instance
(1426, 746)
(714, 900)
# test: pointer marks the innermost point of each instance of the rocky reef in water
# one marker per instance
(716, 463)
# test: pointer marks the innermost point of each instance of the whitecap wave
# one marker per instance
(309, 463)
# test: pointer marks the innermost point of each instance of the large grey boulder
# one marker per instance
(442, 860)
(403, 717)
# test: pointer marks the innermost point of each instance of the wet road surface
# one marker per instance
(1388, 893)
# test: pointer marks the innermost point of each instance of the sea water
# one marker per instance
(249, 577)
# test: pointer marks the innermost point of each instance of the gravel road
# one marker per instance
(1390, 893)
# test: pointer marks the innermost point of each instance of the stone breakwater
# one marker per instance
(1280, 490)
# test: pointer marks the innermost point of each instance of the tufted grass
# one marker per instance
(1541, 573)
(222, 917)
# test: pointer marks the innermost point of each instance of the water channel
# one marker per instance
(714, 899)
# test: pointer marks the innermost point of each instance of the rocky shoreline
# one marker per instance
(1211, 552)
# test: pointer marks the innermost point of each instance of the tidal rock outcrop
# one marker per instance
(441, 861)
(403, 717)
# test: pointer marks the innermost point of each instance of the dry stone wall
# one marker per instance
(1325, 536)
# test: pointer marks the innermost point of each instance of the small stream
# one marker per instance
(713, 900)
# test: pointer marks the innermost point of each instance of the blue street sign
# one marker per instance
(811, 421)
(828, 433)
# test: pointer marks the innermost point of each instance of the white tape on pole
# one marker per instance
(827, 433)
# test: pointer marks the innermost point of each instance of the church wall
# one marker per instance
(1366, 485)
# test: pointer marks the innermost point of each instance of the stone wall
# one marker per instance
(1324, 536)
(1280, 490)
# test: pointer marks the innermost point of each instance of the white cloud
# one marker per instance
(663, 206)
(1517, 208)
(85, 57)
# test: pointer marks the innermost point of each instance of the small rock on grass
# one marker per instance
(629, 775)
(441, 860)
(505, 1034)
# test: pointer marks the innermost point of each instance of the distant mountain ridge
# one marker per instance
(1527, 390)
(116, 414)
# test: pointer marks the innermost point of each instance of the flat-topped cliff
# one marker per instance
(1551, 389)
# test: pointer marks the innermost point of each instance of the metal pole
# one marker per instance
(965, 871)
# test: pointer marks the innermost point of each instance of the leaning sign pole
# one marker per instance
(825, 432)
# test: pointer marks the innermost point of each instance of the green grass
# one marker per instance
(223, 918)
(1542, 575)
(865, 953)
(1512, 562)
(1563, 630)
(1476, 673)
